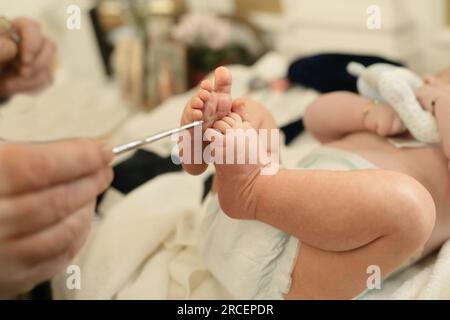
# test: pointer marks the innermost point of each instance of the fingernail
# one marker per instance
(107, 152)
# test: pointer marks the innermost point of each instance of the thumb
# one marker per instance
(8, 50)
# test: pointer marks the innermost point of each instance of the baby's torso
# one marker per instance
(427, 165)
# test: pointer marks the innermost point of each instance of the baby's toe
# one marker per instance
(223, 80)
(196, 115)
(222, 126)
(229, 121)
(237, 119)
(204, 95)
(197, 103)
(207, 85)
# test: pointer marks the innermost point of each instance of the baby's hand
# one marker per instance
(384, 121)
(428, 95)
(212, 102)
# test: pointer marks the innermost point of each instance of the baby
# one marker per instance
(356, 205)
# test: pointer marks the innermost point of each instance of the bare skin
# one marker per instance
(370, 217)
(212, 102)
(26, 68)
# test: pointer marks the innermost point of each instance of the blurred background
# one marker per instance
(129, 56)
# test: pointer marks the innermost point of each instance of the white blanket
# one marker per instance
(142, 253)
(145, 245)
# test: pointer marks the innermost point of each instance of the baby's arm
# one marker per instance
(338, 114)
(335, 115)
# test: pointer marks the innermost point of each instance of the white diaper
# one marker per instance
(251, 259)
(254, 260)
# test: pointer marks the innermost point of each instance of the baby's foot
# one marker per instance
(212, 102)
(240, 181)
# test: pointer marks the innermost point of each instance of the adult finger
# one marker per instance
(44, 59)
(46, 270)
(80, 241)
(23, 84)
(53, 241)
(8, 50)
(30, 167)
(24, 214)
(31, 38)
(23, 279)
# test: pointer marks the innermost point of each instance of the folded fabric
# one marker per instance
(328, 72)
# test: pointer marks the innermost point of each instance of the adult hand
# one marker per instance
(47, 200)
(26, 67)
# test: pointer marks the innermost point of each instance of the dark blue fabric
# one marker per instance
(328, 72)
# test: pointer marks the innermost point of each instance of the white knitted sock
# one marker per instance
(421, 123)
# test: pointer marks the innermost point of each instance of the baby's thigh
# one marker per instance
(441, 232)
(320, 274)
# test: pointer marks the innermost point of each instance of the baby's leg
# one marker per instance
(346, 221)
(257, 117)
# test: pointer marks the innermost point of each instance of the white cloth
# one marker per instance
(145, 247)
(251, 259)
